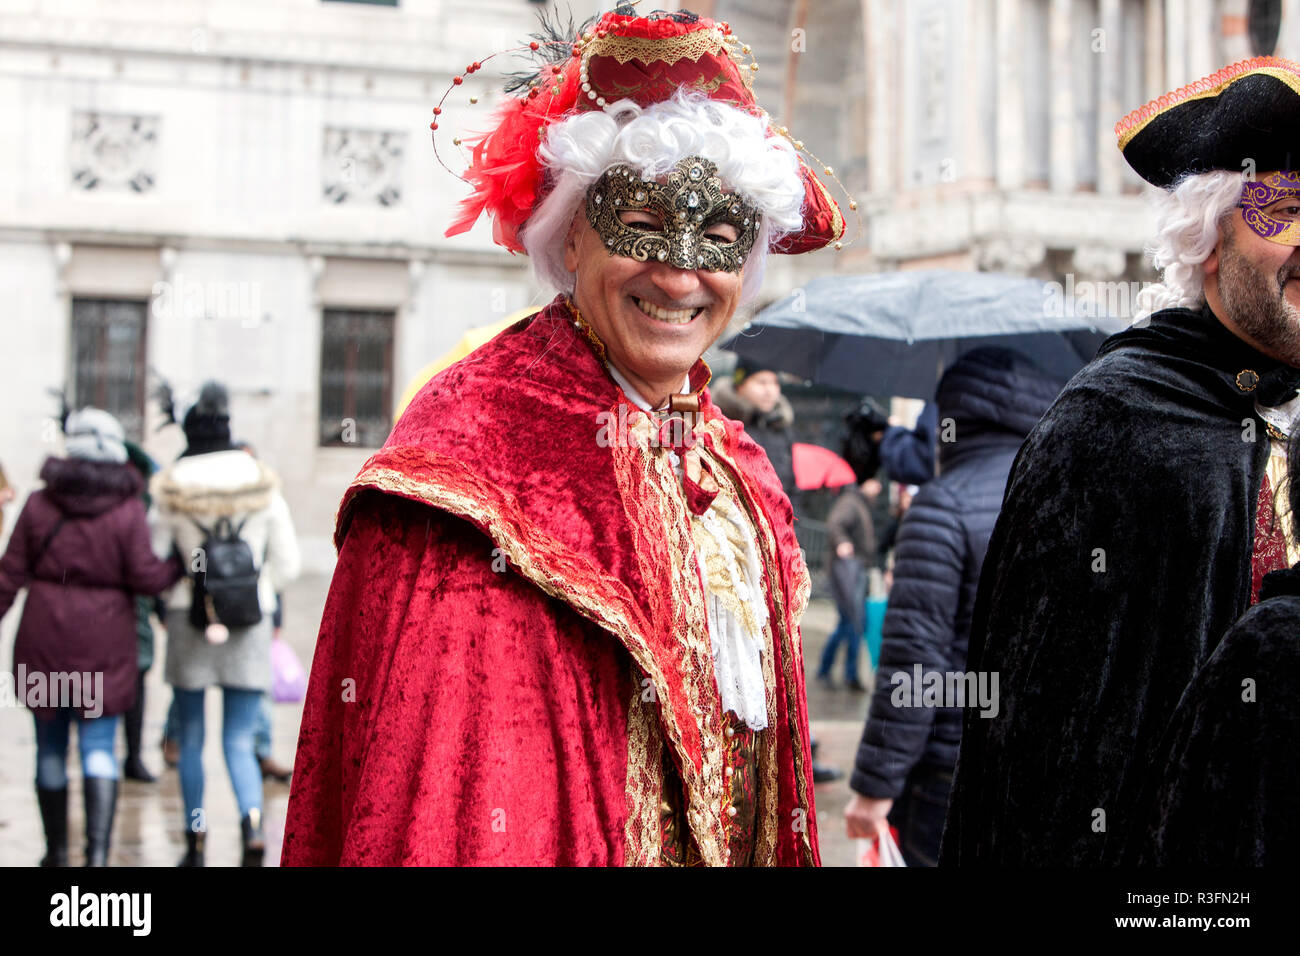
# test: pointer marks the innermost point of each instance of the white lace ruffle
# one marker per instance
(737, 650)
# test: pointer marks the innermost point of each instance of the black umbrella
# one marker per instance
(894, 333)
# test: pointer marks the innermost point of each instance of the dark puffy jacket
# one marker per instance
(993, 398)
(80, 615)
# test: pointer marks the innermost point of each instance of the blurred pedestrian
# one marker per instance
(903, 772)
(908, 453)
(852, 547)
(81, 548)
(223, 509)
(145, 607)
(753, 397)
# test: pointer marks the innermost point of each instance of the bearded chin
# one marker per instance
(1252, 305)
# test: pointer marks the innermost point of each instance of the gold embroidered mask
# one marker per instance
(687, 208)
(1271, 206)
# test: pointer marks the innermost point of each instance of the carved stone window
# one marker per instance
(363, 166)
(108, 360)
(113, 151)
(356, 377)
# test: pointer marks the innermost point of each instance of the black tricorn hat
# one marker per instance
(1244, 117)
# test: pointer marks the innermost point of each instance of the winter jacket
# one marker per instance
(774, 431)
(198, 490)
(994, 398)
(80, 615)
(850, 520)
(908, 453)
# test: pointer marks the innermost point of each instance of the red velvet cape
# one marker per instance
(514, 645)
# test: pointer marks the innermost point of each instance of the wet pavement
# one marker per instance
(150, 821)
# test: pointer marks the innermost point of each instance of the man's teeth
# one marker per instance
(677, 316)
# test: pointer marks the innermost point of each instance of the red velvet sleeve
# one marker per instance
(456, 715)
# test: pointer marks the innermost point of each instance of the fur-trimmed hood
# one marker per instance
(734, 405)
(218, 484)
(80, 487)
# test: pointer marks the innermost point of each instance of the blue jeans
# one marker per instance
(262, 735)
(238, 722)
(848, 586)
(843, 634)
(95, 738)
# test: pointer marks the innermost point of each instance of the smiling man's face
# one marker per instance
(655, 319)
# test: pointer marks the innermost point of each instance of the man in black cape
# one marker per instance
(1140, 516)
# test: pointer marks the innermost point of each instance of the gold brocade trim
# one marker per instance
(645, 476)
(1280, 69)
(668, 50)
(642, 838)
(792, 651)
(767, 822)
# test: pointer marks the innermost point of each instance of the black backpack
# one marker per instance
(226, 590)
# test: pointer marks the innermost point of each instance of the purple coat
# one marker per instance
(80, 611)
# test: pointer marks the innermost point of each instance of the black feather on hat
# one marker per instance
(1244, 117)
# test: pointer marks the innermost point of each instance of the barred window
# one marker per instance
(356, 377)
(108, 343)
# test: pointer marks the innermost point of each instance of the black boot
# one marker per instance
(254, 838)
(100, 795)
(54, 814)
(133, 721)
(193, 848)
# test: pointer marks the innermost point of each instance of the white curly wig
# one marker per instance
(1189, 219)
(763, 169)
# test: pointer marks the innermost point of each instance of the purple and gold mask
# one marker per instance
(1271, 207)
(687, 206)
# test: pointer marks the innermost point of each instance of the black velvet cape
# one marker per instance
(1226, 780)
(1121, 556)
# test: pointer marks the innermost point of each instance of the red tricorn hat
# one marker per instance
(644, 59)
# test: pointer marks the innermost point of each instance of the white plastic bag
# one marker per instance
(882, 851)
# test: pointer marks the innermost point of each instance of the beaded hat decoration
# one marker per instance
(617, 56)
(1244, 118)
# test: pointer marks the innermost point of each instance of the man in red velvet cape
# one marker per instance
(564, 624)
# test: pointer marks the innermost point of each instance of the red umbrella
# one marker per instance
(818, 467)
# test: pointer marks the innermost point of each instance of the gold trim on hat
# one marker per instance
(1287, 71)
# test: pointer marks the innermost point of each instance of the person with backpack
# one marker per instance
(223, 511)
(81, 549)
